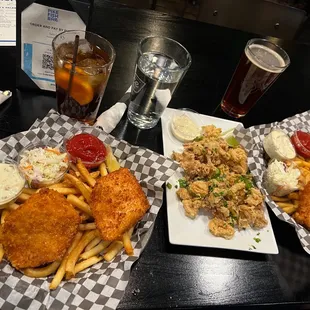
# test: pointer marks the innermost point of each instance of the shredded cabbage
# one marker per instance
(43, 164)
(281, 179)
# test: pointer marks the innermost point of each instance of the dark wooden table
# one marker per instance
(190, 277)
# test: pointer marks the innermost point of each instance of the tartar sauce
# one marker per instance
(11, 182)
(184, 129)
(278, 145)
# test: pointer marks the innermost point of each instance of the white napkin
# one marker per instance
(110, 118)
(163, 96)
(4, 95)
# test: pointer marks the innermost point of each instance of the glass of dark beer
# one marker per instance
(261, 64)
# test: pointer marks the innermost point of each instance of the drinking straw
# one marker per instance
(72, 71)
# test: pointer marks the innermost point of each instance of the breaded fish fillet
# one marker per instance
(302, 215)
(39, 231)
(117, 203)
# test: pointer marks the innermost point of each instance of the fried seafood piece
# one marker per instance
(191, 207)
(220, 228)
(237, 193)
(117, 203)
(221, 212)
(259, 220)
(39, 231)
(238, 160)
(251, 216)
(211, 131)
(183, 194)
(199, 188)
(302, 215)
(193, 167)
(255, 198)
(216, 196)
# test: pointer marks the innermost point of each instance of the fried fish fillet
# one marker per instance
(302, 215)
(39, 231)
(117, 203)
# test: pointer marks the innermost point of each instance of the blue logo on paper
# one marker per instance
(52, 15)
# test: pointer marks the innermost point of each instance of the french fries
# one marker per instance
(66, 191)
(103, 169)
(113, 250)
(23, 197)
(87, 226)
(80, 204)
(293, 196)
(62, 268)
(4, 214)
(29, 191)
(74, 255)
(85, 174)
(61, 185)
(285, 204)
(87, 247)
(41, 272)
(282, 199)
(79, 185)
(73, 167)
(84, 216)
(87, 263)
(1, 252)
(88, 187)
(289, 206)
(290, 210)
(96, 250)
(302, 163)
(95, 174)
(5, 206)
(13, 206)
(127, 243)
(92, 244)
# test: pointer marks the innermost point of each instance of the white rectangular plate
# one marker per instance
(185, 231)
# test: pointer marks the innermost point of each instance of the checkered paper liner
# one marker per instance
(252, 140)
(101, 286)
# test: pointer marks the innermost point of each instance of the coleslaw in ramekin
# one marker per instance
(43, 164)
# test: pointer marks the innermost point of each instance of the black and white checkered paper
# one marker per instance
(252, 140)
(101, 286)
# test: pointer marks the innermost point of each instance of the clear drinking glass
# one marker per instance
(94, 61)
(160, 66)
(260, 65)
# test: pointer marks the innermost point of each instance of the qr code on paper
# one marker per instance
(47, 62)
(52, 15)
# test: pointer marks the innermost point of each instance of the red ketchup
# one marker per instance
(301, 142)
(88, 148)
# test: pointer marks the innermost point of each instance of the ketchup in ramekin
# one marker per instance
(301, 142)
(88, 148)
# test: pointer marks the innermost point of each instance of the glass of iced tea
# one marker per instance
(82, 69)
(261, 64)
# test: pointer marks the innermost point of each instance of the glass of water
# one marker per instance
(160, 66)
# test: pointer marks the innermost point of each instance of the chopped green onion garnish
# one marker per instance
(199, 138)
(183, 183)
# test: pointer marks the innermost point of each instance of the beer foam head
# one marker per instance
(265, 58)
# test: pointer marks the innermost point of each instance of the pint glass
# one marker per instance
(260, 65)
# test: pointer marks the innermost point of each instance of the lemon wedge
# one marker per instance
(232, 141)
